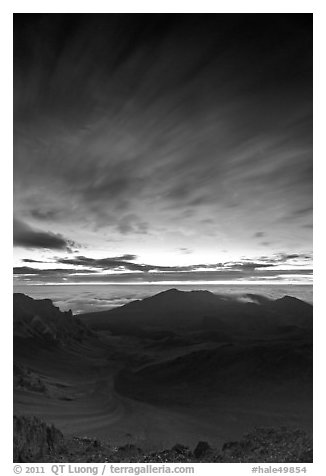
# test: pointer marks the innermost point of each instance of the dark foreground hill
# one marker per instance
(265, 371)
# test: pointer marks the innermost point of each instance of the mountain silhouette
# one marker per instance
(183, 311)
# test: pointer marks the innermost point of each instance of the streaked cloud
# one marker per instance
(116, 269)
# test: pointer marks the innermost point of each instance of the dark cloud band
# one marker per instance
(27, 237)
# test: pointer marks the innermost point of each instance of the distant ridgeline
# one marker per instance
(202, 310)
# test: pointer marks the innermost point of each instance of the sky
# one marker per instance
(162, 147)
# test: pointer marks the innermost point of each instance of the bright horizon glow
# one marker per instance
(176, 283)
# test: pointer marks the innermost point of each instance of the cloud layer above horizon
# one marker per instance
(174, 143)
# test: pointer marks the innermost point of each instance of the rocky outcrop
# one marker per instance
(40, 319)
(34, 440)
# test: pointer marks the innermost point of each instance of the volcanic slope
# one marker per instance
(175, 367)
